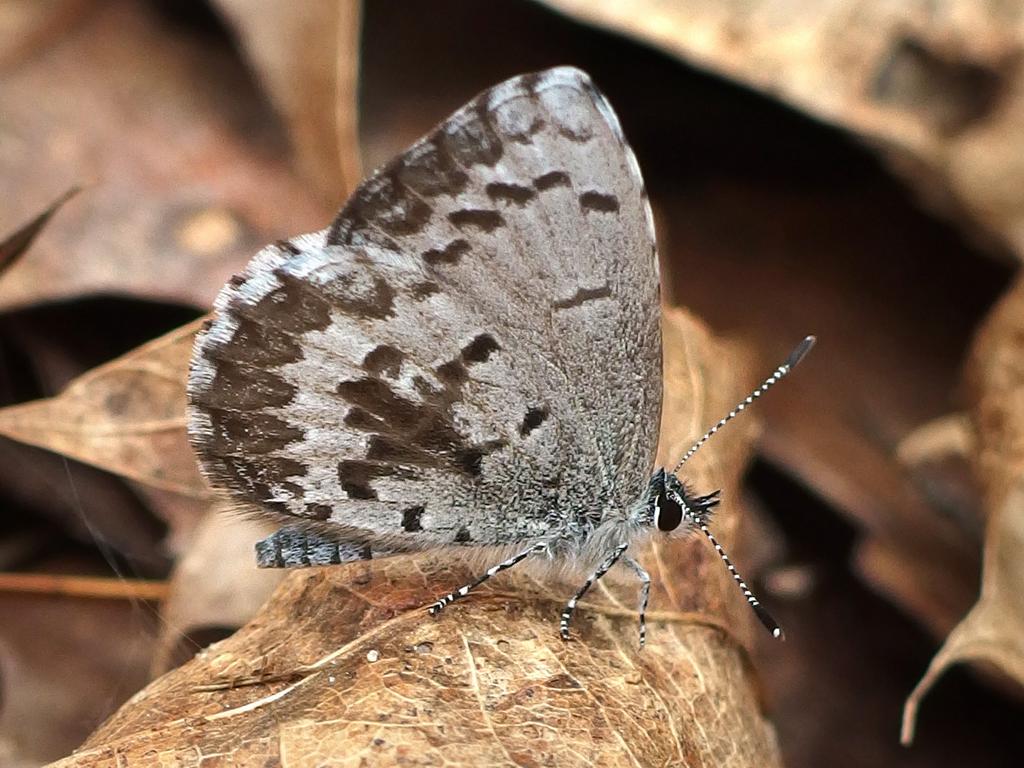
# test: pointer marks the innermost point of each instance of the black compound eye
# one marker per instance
(668, 513)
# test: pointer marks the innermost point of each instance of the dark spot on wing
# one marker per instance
(453, 372)
(526, 136)
(470, 139)
(471, 459)
(399, 212)
(376, 397)
(384, 359)
(456, 372)
(381, 206)
(254, 479)
(248, 433)
(578, 135)
(359, 418)
(429, 170)
(478, 218)
(392, 450)
(260, 345)
(425, 289)
(552, 179)
(292, 307)
(480, 348)
(391, 204)
(530, 82)
(510, 193)
(411, 519)
(406, 434)
(463, 536)
(242, 387)
(581, 296)
(379, 303)
(288, 247)
(533, 419)
(450, 254)
(355, 477)
(598, 201)
(318, 511)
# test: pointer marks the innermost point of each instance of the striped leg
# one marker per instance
(645, 593)
(601, 571)
(462, 591)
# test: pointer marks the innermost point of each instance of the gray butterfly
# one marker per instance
(470, 355)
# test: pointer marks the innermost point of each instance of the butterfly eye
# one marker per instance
(668, 514)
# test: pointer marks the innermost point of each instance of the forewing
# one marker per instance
(471, 353)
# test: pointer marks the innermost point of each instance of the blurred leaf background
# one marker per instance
(850, 169)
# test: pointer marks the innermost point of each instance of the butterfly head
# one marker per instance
(673, 507)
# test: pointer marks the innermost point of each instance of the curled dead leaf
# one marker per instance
(127, 417)
(993, 632)
(307, 56)
(343, 664)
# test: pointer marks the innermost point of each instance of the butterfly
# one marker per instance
(469, 356)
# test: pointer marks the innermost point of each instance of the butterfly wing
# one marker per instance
(471, 353)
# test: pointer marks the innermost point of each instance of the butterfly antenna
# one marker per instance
(778, 374)
(762, 613)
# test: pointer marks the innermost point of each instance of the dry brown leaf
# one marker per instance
(307, 56)
(915, 577)
(127, 417)
(65, 665)
(949, 435)
(178, 148)
(993, 632)
(215, 583)
(16, 243)
(342, 666)
(935, 85)
(27, 25)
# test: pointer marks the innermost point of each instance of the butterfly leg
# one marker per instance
(601, 571)
(645, 593)
(462, 591)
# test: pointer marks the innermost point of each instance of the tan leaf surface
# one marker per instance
(27, 25)
(343, 667)
(214, 583)
(307, 56)
(177, 147)
(993, 632)
(127, 417)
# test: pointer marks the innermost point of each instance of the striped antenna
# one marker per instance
(777, 375)
(762, 613)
